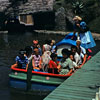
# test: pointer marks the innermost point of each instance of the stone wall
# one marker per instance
(25, 6)
(60, 19)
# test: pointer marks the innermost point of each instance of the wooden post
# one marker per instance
(99, 93)
(97, 96)
(29, 76)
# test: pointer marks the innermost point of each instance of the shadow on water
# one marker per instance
(23, 95)
(10, 44)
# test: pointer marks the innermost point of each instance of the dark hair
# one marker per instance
(35, 47)
(53, 55)
(73, 47)
(22, 51)
(28, 50)
(66, 52)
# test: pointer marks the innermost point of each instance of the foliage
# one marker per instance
(77, 7)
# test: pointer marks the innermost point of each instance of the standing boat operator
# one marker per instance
(84, 33)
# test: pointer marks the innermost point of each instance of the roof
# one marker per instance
(28, 7)
(82, 85)
(33, 6)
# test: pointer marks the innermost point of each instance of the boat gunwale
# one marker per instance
(14, 68)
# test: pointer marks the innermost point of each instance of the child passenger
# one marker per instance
(65, 63)
(77, 57)
(53, 64)
(22, 60)
(75, 66)
(36, 60)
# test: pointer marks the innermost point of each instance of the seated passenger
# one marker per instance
(53, 46)
(45, 60)
(46, 46)
(81, 51)
(52, 68)
(75, 66)
(36, 45)
(46, 55)
(21, 60)
(66, 63)
(77, 57)
(36, 60)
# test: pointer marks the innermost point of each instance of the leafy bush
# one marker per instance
(77, 7)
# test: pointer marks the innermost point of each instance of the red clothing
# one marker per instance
(52, 64)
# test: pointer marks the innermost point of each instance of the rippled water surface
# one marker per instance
(9, 47)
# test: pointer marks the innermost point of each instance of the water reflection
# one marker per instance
(9, 47)
(24, 96)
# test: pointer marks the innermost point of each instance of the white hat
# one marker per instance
(77, 18)
(78, 40)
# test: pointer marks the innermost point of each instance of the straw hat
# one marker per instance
(78, 40)
(53, 41)
(77, 18)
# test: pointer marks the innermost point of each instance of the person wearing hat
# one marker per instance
(81, 52)
(22, 60)
(77, 21)
(80, 49)
(84, 34)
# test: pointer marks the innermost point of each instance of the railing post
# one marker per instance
(99, 93)
(97, 96)
(29, 76)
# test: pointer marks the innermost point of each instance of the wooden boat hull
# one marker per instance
(39, 81)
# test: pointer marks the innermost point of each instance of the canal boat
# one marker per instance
(40, 82)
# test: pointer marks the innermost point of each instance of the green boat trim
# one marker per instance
(42, 79)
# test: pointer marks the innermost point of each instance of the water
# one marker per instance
(10, 44)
